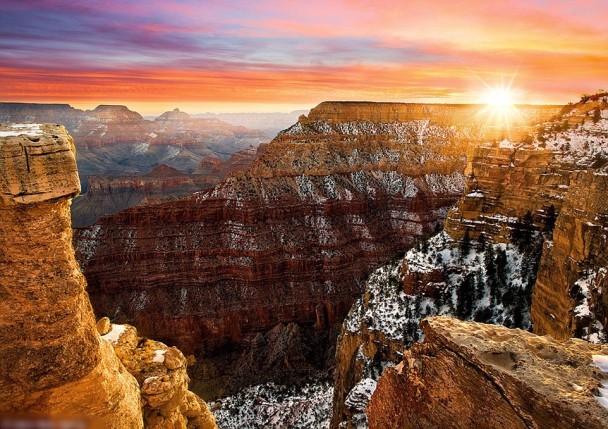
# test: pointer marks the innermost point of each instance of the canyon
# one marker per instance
(123, 158)
(382, 224)
(281, 248)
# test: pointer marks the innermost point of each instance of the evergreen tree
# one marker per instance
(490, 265)
(501, 268)
(465, 245)
(465, 295)
(597, 115)
(523, 231)
(551, 217)
(481, 242)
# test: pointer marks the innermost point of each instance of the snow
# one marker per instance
(275, 406)
(593, 330)
(159, 356)
(601, 361)
(359, 396)
(115, 333)
(20, 129)
(141, 148)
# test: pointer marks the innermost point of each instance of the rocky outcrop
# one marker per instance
(503, 184)
(468, 374)
(161, 374)
(484, 266)
(52, 364)
(217, 169)
(115, 141)
(110, 194)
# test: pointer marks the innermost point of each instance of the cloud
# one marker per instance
(272, 51)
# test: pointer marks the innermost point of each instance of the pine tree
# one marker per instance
(597, 115)
(523, 231)
(481, 242)
(490, 265)
(501, 268)
(465, 245)
(551, 217)
(465, 293)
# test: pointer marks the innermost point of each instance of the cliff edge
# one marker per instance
(468, 374)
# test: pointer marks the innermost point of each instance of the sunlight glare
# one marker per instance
(499, 97)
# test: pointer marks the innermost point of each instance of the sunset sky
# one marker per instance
(272, 55)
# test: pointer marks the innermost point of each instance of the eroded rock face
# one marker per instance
(468, 374)
(51, 360)
(569, 298)
(287, 240)
(161, 374)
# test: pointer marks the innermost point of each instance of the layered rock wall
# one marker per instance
(110, 194)
(468, 374)
(287, 240)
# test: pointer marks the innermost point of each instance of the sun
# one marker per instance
(500, 113)
(499, 98)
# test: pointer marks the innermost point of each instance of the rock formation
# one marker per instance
(161, 374)
(288, 240)
(53, 364)
(468, 374)
(568, 298)
(51, 359)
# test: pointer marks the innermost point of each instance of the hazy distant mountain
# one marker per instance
(269, 123)
(112, 140)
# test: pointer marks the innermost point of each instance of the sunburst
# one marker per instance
(500, 110)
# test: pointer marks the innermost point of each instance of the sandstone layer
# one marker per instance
(468, 374)
(51, 360)
(568, 296)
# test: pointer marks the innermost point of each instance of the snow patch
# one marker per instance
(601, 361)
(115, 333)
(20, 129)
(159, 356)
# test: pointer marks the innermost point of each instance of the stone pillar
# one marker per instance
(52, 362)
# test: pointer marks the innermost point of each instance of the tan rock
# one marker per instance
(163, 380)
(51, 360)
(579, 250)
(469, 374)
(103, 326)
(37, 163)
